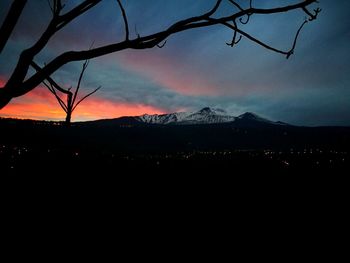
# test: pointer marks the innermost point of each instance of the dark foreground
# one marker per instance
(30, 148)
(22, 160)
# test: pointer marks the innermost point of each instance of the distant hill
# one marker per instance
(162, 133)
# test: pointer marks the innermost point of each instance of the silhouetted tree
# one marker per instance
(71, 101)
(19, 83)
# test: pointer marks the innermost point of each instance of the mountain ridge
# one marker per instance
(206, 115)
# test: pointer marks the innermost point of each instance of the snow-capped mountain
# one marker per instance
(207, 116)
(204, 116)
(163, 118)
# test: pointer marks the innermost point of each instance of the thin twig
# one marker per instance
(136, 32)
(52, 10)
(85, 97)
(85, 65)
(234, 41)
(287, 53)
(60, 101)
(312, 16)
(125, 18)
(214, 9)
(291, 51)
(48, 78)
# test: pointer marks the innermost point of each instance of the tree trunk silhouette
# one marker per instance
(69, 109)
(19, 83)
(68, 118)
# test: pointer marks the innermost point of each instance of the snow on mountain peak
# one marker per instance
(206, 115)
(213, 111)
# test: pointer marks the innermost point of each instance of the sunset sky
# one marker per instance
(196, 68)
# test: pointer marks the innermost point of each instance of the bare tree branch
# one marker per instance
(10, 21)
(214, 9)
(291, 51)
(234, 39)
(287, 53)
(125, 18)
(56, 7)
(63, 20)
(60, 101)
(49, 79)
(242, 9)
(85, 97)
(85, 65)
(136, 32)
(51, 6)
(52, 86)
(312, 16)
(236, 5)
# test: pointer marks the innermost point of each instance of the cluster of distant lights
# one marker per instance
(14, 152)
(283, 157)
(306, 152)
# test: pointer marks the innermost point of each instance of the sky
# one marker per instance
(195, 69)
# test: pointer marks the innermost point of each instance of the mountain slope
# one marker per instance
(204, 116)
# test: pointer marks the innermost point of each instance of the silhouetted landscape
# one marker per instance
(87, 62)
(124, 145)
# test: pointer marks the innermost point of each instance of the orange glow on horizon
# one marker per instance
(40, 104)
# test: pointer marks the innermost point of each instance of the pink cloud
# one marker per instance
(169, 72)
